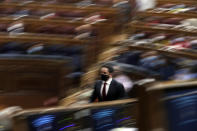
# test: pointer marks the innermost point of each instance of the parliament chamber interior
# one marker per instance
(98, 65)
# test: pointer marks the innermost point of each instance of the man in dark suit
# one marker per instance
(107, 89)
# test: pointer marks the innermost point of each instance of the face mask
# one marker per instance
(104, 77)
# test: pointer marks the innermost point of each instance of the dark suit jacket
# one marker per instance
(116, 91)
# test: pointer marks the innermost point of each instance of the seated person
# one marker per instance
(187, 73)
(107, 89)
(123, 78)
(12, 48)
(155, 62)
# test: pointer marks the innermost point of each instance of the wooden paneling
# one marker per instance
(29, 82)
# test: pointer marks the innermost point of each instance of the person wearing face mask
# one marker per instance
(107, 89)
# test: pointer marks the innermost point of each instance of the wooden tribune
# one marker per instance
(151, 103)
(29, 87)
(20, 119)
(27, 82)
(134, 26)
(138, 25)
(51, 40)
(108, 12)
(93, 44)
(26, 98)
(32, 22)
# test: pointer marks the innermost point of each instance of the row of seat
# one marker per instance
(47, 51)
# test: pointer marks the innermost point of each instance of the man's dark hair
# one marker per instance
(110, 68)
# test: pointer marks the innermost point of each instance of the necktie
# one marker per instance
(104, 91)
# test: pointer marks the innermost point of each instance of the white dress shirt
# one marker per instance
(107, 86)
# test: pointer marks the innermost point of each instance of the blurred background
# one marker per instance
(52, 51)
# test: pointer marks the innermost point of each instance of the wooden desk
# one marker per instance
(27, 82)
(152, 103)
(20, 121)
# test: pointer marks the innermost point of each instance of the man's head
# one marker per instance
(106, 72)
